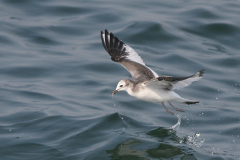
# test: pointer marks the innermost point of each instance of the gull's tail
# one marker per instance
(191, 102)
(186, 101)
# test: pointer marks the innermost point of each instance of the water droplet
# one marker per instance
(197, 134)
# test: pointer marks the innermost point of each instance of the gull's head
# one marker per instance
(122, 86)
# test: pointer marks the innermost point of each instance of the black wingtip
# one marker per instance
(201, 72)
(113, 46)
(103, 42)
(106, 32)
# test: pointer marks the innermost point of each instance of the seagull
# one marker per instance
(146, 84)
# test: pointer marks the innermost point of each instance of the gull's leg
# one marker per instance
(177, 109)
(167, 109)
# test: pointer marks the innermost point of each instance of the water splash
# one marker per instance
(193, 141)
(177, 125)
(190, 140)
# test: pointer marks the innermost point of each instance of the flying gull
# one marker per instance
(147, 85)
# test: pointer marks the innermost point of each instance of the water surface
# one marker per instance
(56, 80)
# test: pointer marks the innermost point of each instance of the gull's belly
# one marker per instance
(148, 95)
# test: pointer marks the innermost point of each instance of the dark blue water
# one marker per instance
(56, 80)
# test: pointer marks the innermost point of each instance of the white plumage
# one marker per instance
(147, 85)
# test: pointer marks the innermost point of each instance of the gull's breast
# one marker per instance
(146, 94)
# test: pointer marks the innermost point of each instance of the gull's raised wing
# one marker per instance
(127, 57)
(171, 83)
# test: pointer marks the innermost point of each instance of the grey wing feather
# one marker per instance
(171, 83)
(139, 72)
(127, 57)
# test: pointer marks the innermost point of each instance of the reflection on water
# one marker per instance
(123, 150)
(163, 146)
(135, 149)
(168, 151)
(170, 135)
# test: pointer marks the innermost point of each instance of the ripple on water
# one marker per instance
(196, 12)
(147, 31)
(4, 40)
(66, 10)
(56, 79)
(105, 17)
(27, 150)
(26, 71)
(220, 29)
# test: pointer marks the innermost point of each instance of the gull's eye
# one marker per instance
(120, 85)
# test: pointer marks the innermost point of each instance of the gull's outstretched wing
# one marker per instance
(171, 83)
(127, 57)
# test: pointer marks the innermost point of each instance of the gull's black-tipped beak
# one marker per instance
(115, 91)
